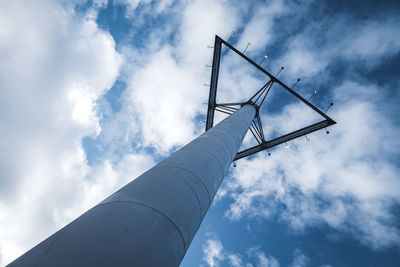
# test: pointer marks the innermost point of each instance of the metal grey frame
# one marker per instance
(256, 127)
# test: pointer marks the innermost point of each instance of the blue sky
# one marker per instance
(93, 93)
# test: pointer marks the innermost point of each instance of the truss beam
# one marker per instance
(256, 100)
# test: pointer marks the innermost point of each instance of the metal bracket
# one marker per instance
(257, 100)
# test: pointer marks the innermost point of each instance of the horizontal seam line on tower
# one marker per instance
(41, 259)
(180, 178)
(226, 147)
(156, 210)
(212, 155)
(227, 135)
(201, 181)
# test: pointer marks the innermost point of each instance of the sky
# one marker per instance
(93, 93)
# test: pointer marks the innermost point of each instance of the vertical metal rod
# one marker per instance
(232, 33)
(314, 93)
(281, 69)
(152, 220)
(247, 46)
(264, 58)
(213, 84)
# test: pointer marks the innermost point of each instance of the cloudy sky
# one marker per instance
(93, 93)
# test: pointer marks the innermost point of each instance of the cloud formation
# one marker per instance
(347, 180)
(56, 64)
(215, 254)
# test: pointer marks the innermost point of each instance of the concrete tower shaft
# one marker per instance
(152, 220)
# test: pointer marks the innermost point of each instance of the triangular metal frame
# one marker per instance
(256, 100)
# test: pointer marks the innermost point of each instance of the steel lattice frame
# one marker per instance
(257, 100)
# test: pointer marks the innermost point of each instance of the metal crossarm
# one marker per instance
(214, 83)
(257, 101)
(282, 139)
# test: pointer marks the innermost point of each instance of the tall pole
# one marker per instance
(152, 220)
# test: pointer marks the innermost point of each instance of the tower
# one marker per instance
(152, 220)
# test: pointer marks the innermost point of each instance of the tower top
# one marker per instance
(257, 100)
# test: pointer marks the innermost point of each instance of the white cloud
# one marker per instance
(265, 261)
(346, 179)
(262, 259)
(299, 259)
(300, 59)
(55, 65)
(311, 50)
(235, 260)
(201, 21)
(213, 252)
(373, 41)
(165, 88)
(165, 97)
(259, 31)
(132, 5)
